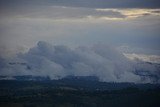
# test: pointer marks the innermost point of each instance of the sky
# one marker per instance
(133, 26)
(130, 26)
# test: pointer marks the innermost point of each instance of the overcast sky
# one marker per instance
(110, 39)
(130, 25)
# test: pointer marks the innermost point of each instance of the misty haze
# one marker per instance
(84, 53)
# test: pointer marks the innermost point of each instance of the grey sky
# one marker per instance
(121, 23)
(85, 3)
(57, 38)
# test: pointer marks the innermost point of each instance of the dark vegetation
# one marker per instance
(77, 92)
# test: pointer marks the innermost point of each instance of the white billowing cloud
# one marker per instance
(59, 61)
(149, 65)
(142, 57)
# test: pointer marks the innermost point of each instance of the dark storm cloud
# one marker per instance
(86, 3)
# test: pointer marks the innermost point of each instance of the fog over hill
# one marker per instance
(102, 61)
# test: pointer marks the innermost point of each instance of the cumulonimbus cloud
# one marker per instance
(99, 60)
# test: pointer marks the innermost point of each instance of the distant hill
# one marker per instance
(74, 82)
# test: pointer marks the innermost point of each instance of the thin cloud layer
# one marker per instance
(61, 13)
(59, 61)
(133, 13)
(69, 23)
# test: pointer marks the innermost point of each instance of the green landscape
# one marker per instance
(63, 93)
